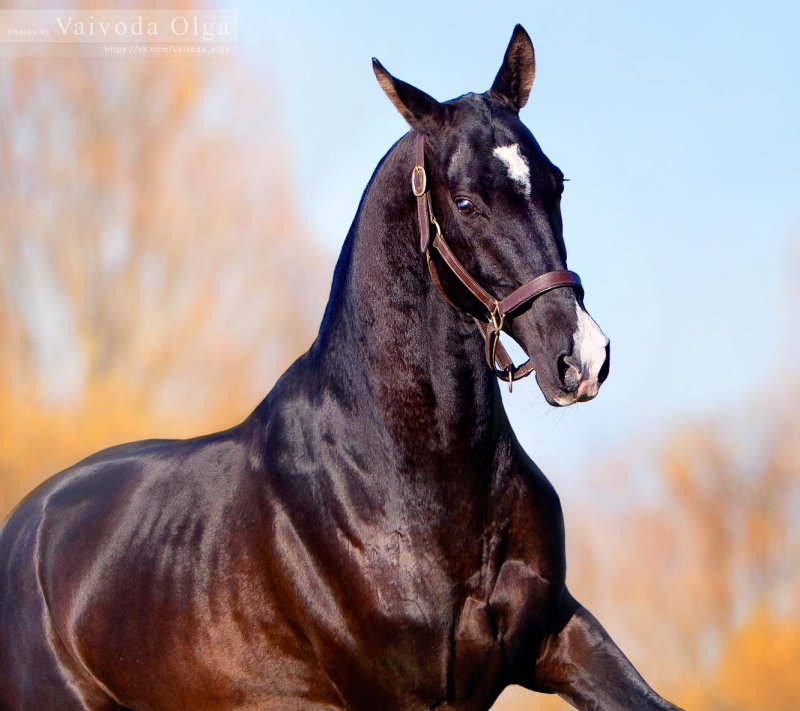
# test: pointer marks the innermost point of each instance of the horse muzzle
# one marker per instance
(574, 370)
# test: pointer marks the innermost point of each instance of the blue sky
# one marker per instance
(679, 127)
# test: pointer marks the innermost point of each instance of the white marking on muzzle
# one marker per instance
(589, 345)
(518, 169)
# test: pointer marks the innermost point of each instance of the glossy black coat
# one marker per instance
(372, 536)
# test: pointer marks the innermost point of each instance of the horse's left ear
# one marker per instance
(515, 78)
(422, 111)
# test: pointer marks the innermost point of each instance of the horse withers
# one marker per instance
(372, 536)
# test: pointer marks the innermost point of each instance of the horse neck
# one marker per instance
(389, 336)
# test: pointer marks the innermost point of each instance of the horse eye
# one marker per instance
(465, 206)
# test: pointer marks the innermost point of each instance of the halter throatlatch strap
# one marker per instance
(496, 355)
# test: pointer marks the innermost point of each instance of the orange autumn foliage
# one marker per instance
(757, 668)
(150, 277)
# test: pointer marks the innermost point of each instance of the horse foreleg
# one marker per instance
(581, 663)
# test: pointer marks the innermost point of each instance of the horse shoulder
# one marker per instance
(136, 531)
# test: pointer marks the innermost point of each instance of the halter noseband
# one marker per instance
(496, 355)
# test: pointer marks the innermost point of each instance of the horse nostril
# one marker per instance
(568, 374)
(603, 374)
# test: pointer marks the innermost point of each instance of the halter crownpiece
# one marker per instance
(496, 355)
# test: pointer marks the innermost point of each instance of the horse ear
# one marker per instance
(422, 111)
(515, 78)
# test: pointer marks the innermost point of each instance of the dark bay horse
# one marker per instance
(372, 537)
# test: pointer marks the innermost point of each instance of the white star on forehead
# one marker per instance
(517, 166)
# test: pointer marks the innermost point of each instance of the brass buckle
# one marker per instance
(510, 379)
(418, 170)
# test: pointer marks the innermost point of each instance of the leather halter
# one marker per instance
(496, 355)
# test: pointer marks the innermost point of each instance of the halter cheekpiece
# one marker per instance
(497, 309)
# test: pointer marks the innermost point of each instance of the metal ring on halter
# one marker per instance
(497, 325)
(419, 171)
(436, 225)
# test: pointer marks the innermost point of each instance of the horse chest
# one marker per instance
(413, 632)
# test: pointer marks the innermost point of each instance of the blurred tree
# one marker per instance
(692, 554)
(688, 549)
(154, 273)
(757, 666)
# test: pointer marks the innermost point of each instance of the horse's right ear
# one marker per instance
(422, 111)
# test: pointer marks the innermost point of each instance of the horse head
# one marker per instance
(497, 199)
